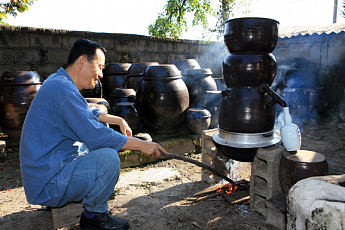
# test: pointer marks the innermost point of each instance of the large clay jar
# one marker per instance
(162, 99)
(251, 34)
(96, 92)
(127, 111)
(249, 69)
(17, 90)
(135, 74)
(114, 76)
(183, 64)
(199, 81)
(246, 110)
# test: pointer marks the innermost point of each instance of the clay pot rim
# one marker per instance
(253, 18)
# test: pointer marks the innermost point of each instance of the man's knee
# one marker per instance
(110, 157)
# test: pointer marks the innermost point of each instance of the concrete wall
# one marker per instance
(326, 52)
(45, 50)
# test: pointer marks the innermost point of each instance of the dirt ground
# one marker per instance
(164, 205)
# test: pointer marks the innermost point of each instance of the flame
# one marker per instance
(228, 188)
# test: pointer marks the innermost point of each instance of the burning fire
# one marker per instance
(229, 188)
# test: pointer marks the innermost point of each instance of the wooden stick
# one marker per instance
(240, 200)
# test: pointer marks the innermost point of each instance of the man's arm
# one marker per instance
(115, 120)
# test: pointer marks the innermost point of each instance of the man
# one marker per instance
(67, 153)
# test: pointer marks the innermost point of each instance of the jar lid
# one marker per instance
(138, 69)
(183, 64)
(197, 113)
(123, 92)
(165, 71)
(21, 78)
(206, 71)
(116, 68)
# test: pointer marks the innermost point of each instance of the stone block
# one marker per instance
(317, 203)
(67, 215)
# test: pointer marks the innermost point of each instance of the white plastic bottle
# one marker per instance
(290, 133)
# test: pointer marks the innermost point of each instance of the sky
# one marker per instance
(134, 16)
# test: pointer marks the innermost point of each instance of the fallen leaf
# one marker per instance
(1, 168)
(12, 179)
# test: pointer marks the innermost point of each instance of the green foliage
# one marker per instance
(13, 7)
(172, 21)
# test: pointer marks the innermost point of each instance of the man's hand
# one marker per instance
(148, 148)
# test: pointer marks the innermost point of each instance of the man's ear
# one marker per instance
(81, 61)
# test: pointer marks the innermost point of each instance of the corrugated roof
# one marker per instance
(310, 30)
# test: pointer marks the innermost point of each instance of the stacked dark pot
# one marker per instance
(246, 117)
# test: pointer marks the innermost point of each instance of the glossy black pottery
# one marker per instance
(197, 120)
(183, 64)
(17, 90)
(295, 166)
(135, 74)
(127, 111)
(122, 95)
(198, 81)
(114, 76)
(248, 110)
(251, 34)
(162, 99)
(249, 69)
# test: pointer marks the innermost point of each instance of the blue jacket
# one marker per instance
(58, 117)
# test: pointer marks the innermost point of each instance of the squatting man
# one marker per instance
(67, 152)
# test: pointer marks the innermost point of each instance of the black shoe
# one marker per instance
(103, 221)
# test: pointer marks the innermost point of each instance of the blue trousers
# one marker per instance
(94, 176)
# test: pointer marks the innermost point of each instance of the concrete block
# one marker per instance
(336, 40)
(45, 40)
(276, 211)
(264, 180)
(237, 170)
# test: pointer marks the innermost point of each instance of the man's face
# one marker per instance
(92, 70)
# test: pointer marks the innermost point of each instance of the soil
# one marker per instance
(164, 204)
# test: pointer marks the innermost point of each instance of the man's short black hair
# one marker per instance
(84, 47)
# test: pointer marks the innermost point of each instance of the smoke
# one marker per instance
(298, 84)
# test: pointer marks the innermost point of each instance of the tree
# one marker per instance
(13, 7)
(172, 21)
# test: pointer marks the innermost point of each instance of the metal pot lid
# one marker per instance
(166, 71)
(203, 71)
(123, 92)
(118, 68)
(20, 78)
(197, 113)
(246, 140)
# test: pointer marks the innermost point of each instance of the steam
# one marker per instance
(297, 82)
